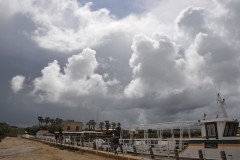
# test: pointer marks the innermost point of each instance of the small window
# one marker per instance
(211, 130)
(230, 129)
(77, 128)
(211, 145)
(68, 128)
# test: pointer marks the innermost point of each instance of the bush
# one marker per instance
(7, 130)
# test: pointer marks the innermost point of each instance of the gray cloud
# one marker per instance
(229, 21)
(151, 78)
(220, 58)
(192, 21)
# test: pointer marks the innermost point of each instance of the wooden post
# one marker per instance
(151, 152)
(82, 143)
(121, 148)
(200, 152)
(223, 155)
(176, 154)
(135, 150)
(94, 145)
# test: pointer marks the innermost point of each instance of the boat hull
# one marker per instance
(211, 149)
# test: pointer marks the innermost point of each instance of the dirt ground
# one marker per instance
(22, 149)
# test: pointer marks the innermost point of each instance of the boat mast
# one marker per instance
(221, 102)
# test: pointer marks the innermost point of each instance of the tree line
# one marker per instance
(106, 124)
(53, 125)
(46, 123)
(7, 130)
(48, 120)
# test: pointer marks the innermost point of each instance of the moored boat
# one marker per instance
(218, 139)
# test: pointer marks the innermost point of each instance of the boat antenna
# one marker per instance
(217, 94)
(204, 116)
(221, 102)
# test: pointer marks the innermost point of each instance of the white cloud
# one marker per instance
(68, 26)
(77, 82)
(134, 89)
(150, 59)
(17, 83)
(170, 73)
(82, 65)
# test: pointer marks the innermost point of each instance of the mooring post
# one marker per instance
(108, 146)
(176, 154)
(151, 152)
(200, 152)
(121, 148)
(135, 150)
(223, 155)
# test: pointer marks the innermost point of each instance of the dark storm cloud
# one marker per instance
(19, 55)
(131, 80)
(114, 60)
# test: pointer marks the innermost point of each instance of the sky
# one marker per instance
(133, 62)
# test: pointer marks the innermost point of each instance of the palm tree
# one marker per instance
(119, 125)
(43, 121)
(113, 125)
(52, 121)
(47, 120)
(40, 120)
(107, 124)
(101, 124)
(118, 129)
(89, 125)
(58, 121)
(93, 123)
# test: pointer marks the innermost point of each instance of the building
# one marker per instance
(72, 126)
(44, 134)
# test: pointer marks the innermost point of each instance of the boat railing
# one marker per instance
(164, 144)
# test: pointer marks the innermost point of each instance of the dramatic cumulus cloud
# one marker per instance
(62, 24)
(68, 26)
(150, 59)
(17, 83)
(75, 83)
(139, 65)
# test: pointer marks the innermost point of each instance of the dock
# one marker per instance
(89, 150)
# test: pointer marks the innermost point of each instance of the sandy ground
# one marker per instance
(22, 149)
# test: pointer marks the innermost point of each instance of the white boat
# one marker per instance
(218, 139)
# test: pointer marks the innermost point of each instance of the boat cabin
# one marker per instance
(221, 128)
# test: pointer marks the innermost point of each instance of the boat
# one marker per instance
(218, 138)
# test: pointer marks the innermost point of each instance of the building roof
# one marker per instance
(43, 132)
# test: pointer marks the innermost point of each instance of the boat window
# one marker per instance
(211, 130)
(230, 129)
(211, 145)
